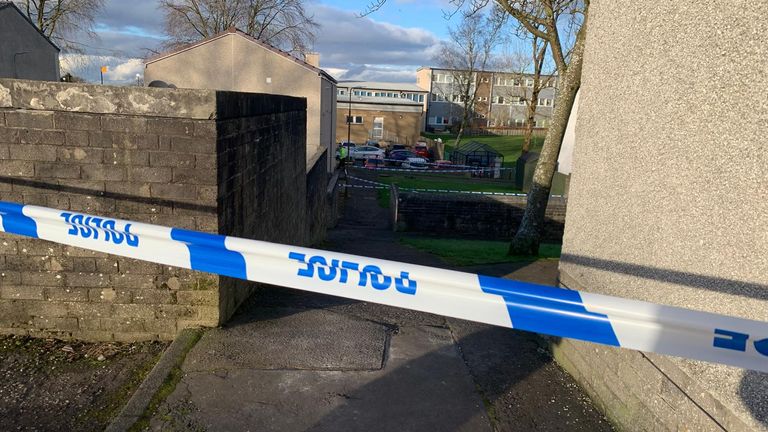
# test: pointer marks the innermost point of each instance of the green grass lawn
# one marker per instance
(509, 146)
(460, 252)
(451, 182)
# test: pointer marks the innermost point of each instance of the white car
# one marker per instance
(415, 163)
(366, 152)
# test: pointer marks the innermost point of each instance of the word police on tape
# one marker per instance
(544, 309)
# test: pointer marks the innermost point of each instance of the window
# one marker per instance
(355, 119)
(342, 92)
(498, 100)
(484, 79)
(438, 97)
(545, 102)
(378, 127)
(421, 98)
(519, 122)
(438, 120)
(529, 83)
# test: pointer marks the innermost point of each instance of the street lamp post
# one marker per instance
(349, 115)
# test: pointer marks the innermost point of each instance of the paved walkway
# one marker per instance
(296, 361)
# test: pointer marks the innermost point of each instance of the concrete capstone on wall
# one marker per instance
(667, 199)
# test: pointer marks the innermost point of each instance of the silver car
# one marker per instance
(366, 152)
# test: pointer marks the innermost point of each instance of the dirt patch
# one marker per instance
(52, 385)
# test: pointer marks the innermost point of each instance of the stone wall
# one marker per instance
(667, 200)
(261, 176)
(317, 198)
(478, 216)
(148, 155)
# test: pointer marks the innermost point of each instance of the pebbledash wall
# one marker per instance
(668, 200)
(232, 163)
(478, 216)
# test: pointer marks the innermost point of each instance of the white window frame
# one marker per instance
(355, 119)
(380, 129)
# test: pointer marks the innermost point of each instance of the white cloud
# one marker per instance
(119, 70)
(366, 49)
(375, 73)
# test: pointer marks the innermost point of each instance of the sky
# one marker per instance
(387, 45)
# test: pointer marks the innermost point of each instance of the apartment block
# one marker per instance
(501, 98)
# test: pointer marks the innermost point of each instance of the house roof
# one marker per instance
(474, 146)
(237, 32)
(377, 85)
(5, 4)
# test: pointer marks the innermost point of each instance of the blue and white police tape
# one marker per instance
(449, 165)
(431, 170)
(380, 185)
(544, 309)
(353, 186)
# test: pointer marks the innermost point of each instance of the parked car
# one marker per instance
(399, 156)
(423, 151)
(415, 163)
(366, 152)
(374, 163)
(373, 143)
(395, 147)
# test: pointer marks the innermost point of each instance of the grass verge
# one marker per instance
(382, 197)
(455, 182)
(509, 146)
(460, 252)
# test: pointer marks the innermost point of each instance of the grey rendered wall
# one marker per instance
(668, 199)
(24, 53)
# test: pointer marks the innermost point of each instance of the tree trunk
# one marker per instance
(531, 117)
(458, 136)
(528, 236)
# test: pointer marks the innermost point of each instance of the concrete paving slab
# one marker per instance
(424, 386)
(289, 338)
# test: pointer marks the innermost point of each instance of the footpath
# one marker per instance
(295, 361)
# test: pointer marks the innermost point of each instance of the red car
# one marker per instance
(423, 151)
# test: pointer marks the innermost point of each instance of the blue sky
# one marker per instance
(387, 45)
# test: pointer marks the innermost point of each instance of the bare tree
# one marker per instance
(540, 81)
(283, 23)
(542, 18)
(527, 71)
(63, 20)
(469, 53)
(549, 20)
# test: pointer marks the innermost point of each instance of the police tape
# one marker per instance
(448, 165)
(431, 170)
(351, 186)
(380, 185)
(538, 308)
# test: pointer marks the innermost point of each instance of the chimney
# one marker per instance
(312, 58)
